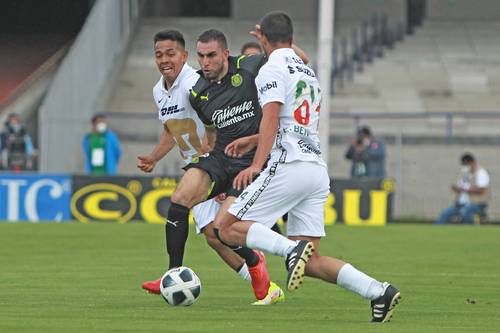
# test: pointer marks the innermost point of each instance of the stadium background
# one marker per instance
(431, 92)
(428, 84)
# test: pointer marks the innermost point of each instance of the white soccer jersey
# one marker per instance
(175, 111)
(287, 80)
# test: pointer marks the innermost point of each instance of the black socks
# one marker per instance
(176, 233)
(251, 258)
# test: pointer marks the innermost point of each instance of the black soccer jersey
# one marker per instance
(231, 105)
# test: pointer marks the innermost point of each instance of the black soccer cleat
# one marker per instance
(383, 306)
(296, 263)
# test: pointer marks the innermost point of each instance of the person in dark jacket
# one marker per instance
(367, 155)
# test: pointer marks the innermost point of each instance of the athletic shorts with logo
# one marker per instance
(300, 188)
(204, 213)
(222, 170)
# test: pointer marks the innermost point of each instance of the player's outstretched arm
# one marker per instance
(267, 134)
(147, 163)
(241, 146)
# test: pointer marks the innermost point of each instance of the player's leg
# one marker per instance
(265, 200)
(192, 189)
(306, 223)
(255, 260)
(230, 257)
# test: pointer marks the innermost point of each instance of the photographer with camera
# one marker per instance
(367, 155)
(16, 148)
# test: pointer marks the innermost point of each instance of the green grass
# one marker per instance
(85, 278)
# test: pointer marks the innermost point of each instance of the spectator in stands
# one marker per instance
(101, 148)
(472, 193)
(367, 155)
(251, 48)
(16, 147)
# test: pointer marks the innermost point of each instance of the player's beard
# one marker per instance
(214, 74)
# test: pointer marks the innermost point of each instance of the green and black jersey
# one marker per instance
(231, 105)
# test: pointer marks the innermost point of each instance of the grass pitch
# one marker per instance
(85, 278)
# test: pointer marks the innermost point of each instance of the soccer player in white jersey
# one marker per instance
(295, 179)
(182, 126)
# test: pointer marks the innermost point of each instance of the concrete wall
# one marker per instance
(463, 9)
(357, 10)
(297, 9)
(346, 10)
(424, 174)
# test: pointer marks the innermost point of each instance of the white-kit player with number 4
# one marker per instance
(182, 126)
(295, 178)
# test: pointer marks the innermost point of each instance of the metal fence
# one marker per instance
(365, 43)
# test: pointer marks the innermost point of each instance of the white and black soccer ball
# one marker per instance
(180, 286)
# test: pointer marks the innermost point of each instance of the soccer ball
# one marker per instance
(180, 286)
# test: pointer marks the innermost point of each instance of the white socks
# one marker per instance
(262, 238)
(244, 273)
(352, 279)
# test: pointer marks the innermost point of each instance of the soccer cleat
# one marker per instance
(274, 295)
(152, 287)
(296, 263)
(383, 306)
(260, 277)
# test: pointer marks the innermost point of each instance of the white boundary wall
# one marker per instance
(65, 114)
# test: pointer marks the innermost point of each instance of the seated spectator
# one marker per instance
(101, 148)
(472, 193)
(16, 147)
(367, 155)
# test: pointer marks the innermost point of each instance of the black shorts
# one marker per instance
(222, 170)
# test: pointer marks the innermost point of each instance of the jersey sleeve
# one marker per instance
(270, 85)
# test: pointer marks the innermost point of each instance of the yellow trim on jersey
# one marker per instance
(194, 93)
(209, 126)
(210, 189)
(238, 61)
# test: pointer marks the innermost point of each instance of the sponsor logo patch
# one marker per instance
(267, 86)
(236, 80)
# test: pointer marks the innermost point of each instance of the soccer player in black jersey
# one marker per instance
(225, 98)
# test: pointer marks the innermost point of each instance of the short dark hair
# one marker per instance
(365, 130)
(250, 45)
(173, 35)
(467, 158)
(277, 27)
(98, 116)
(213, 34)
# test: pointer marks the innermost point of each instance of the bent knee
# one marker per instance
(211, 238)
(183, 199)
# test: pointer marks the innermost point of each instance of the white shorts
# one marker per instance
(298, 188)
(204, 213)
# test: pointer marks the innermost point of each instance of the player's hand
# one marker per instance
(257, 33)
(245, 177)
(240, 147)
(146, 163)
(221, 197)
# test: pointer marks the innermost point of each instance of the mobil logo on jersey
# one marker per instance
(34, 198)
(267, 86)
